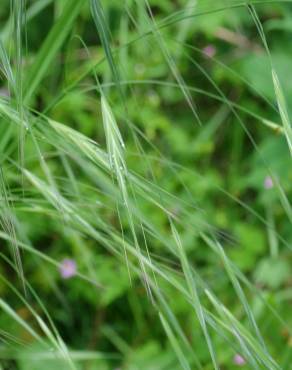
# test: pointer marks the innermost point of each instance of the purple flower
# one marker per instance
(4, 92)
(209, 51)
(268, 182)
(67, 268)
(239, 360)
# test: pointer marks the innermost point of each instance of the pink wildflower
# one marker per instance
(209, 51)
(268, 182)
(239, 360)
(67, 268)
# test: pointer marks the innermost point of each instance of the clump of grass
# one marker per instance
(128, 201)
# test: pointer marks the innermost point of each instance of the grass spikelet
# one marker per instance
(192, 287)
(115, 150)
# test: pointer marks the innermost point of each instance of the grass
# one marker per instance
(128, 150)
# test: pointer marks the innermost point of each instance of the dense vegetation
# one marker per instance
(145, 184)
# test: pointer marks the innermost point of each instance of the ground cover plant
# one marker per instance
(145, 184)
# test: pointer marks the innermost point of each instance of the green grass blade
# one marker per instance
(175, 344)
(50, 47)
